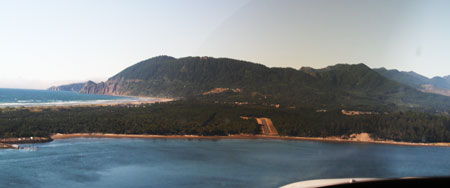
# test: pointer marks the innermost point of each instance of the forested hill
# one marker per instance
(437, 85)
(206, 78)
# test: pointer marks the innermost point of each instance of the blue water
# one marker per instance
(102, 162)
(23, 97)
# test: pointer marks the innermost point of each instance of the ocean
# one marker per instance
(107, 162)
(26, 97)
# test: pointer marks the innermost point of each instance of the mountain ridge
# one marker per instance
(338, 85)
(436, 85)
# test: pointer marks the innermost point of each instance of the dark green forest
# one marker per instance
(203, 118)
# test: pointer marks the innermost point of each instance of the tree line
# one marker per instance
(201, 118)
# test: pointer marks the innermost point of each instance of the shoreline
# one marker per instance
(9, 146)
(141, 100)
(326, 139)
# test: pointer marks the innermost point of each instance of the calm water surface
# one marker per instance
(103, 162)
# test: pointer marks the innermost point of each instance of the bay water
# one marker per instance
(109, 162)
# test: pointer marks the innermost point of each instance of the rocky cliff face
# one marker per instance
(110, 87)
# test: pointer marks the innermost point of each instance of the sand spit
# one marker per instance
(9, 146)
(359, 138)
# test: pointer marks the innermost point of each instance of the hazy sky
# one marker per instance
(50, 42)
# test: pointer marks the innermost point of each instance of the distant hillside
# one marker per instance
(437, 85)
(336, 86)
(69, 87)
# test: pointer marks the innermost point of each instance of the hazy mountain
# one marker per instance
(441, 82)
(447, 78)
(437, 85)
(336, 86)
(69, 87)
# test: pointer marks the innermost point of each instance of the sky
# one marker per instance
(52, 42)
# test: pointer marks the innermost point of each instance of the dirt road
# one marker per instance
(267, 126)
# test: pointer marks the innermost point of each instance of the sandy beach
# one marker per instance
(326, 139)
(141, 100)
